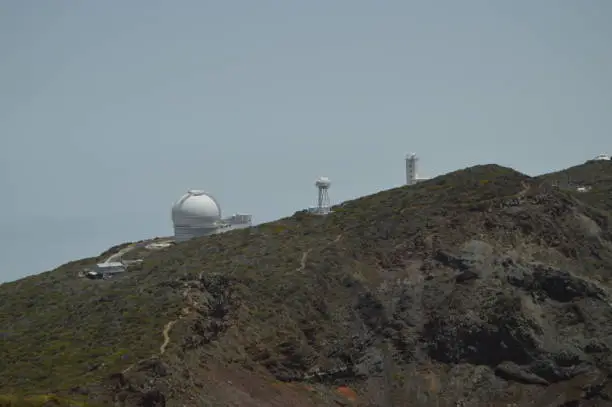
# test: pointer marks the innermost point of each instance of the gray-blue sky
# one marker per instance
(110, 110)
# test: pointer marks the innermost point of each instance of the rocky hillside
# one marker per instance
(480, 287)
(595, 175)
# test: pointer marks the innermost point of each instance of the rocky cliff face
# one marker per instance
(481, 287)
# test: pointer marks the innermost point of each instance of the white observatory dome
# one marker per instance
(196, 208)
(195, 214)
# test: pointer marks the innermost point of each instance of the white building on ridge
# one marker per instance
(602, 157)
(198, 214)
(412, 176)
(110, 267)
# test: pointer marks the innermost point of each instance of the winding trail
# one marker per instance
(186, 311)
(192, 304)
(307, 252)
(117, 256)
(303, 260)
(166, 334)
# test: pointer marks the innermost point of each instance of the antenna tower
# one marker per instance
(323, 184)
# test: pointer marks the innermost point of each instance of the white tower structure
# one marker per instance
(195, 214)
(412, 176)
(411, 169)
(323, 206)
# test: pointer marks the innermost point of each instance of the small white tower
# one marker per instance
(323, 184)
(411, 169)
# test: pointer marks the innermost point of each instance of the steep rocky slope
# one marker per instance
(480, 287)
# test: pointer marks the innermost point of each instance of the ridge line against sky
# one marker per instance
(109, 111)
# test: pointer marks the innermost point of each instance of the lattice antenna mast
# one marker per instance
(323, 184)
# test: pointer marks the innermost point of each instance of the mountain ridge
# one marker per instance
(392, 291)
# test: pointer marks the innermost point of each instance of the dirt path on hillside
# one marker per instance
(526, 188)
(117, 256)
(192, 305)
(186, 311)
(307, 252)
(303, 260)
(166, 335)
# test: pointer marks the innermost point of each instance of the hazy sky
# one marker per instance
(110, 110)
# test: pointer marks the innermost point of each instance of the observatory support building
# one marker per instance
(602, 157)
(198, 214)
(411, 170)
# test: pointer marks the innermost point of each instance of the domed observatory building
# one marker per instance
(195, 214)
(198, 214)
